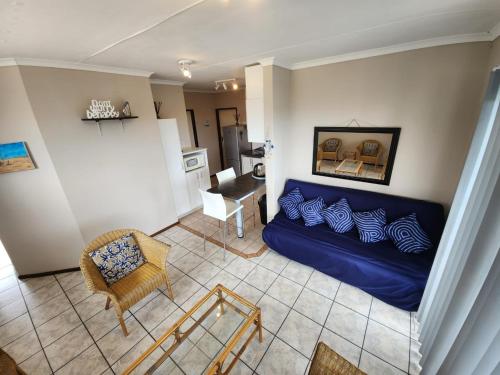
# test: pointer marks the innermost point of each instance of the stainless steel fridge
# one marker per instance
(234, 142)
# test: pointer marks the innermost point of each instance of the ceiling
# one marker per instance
(222, 36)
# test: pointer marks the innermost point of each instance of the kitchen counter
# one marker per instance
(253, 154)
(192, 150)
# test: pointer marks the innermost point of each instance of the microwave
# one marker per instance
(193, 161)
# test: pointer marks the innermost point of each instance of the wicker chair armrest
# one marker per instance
(93, 278)
(153, 250)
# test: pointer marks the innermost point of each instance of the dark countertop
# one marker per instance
(253, 153)
(239, 187)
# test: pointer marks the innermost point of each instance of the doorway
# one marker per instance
(192, 123)
(224, 117)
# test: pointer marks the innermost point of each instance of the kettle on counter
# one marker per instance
(259, 171)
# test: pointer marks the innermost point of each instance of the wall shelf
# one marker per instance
(98, 120)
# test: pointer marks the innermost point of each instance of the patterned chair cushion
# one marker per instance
(118, 258)
(339, 216)
(331, 145)
(408, 235)
(311, 211)
(371, 225)
(289, 203)
(370, 149)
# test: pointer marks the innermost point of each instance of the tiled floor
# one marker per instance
(54, 325)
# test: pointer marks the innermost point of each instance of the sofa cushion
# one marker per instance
(371, 225)
(311, 211)
(118, 258)
(289, 203)
(408, 235)
(338, 216)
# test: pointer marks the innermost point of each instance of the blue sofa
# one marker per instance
(379, 269)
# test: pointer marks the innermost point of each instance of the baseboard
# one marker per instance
(164, 229)
(49, 273)
(31, 275)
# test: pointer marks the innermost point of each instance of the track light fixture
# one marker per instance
(185, 67)
(225, 83)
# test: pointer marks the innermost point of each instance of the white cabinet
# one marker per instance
(198, 179)
(247, 163)
(254, 92)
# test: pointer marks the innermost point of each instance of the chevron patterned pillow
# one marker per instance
(289, 203)
(311, 211)
(408, 235)
(339, 216)
(371, 225)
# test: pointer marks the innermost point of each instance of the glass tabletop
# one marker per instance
(207, 339)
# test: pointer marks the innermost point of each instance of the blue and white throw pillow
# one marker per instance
(311, 211)
(289, 203)
(408, 235)
(118, 258)
(338, 216)
(371, 225)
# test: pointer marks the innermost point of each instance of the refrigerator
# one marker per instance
(234, 142)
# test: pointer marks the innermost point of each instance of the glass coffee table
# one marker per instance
(208, 339)
(349, 166)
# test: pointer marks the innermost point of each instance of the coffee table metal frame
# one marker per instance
(253, 317)
(342, 168)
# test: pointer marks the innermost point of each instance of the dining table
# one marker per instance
(237, 190)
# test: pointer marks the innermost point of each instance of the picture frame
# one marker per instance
(15, 157)
(364, 154)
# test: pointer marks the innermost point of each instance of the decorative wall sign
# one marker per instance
(15, 157)
(126, 109)
(101, 109)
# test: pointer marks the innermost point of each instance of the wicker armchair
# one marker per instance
(329, 149)
(328, 362)
(135, 286)
(370, 151)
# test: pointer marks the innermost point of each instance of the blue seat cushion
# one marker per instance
(408, 235)
(338, 216)
(371, 225)
(311, 211)
(118, 258)
(289, 203)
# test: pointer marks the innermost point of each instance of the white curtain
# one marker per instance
(463, 288)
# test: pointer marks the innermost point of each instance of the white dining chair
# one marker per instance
(226, 175)
(214, 205)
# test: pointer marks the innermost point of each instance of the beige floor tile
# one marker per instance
(90, 361)
(57, 327)
(24, 347)
(274, 261)
(134, 353)
(192, 242)
(36, 365)
(12, 311)
(285, 290)
(256, 349)
(204, 272)
(32, 284)
(248, 292)
(390, 316)
(184, 288)
(342, 346)
(155, 311)
(78, 293)
(240, 267)
(273, 313)
(261, 278)
(114, 345)
(194, 362)
(188, 262)
(103, 322)
(388, 345)
(300, 332)
(15, 329)
(375, 366)
(354, 298)
(297, 272)
(143, 302)
(43, 295)
(323, 284)
(282, 359)
(90, 306)
(225, 278)
(313, 305)
(7, 283)
(49, 309)
(68, 347)
(176, 252)
(9, 296)
(347, 323)
(70, 279)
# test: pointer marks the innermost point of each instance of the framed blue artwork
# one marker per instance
(15, 157)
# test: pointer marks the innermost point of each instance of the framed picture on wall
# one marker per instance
(362, 154)
(15, 157)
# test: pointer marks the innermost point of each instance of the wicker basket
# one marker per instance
(328, 362)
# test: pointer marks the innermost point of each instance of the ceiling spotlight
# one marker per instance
(217, 86)
(224, 85)
(185, 67)
(235, 85)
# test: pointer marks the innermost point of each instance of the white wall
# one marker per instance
(37, 226)
(433, 94)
